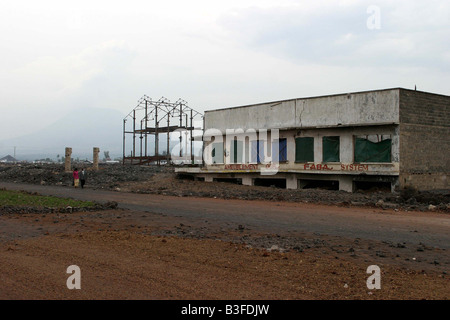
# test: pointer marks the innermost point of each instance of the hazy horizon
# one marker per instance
(57, 57)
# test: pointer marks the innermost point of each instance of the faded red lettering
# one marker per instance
(355, 167)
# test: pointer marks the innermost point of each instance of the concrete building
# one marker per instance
(391, 138)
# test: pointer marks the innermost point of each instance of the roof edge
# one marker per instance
(323, 96)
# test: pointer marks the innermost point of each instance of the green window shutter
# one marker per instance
(217, 153)
(304, 149)
(368, 151)
(236, 151)
(330, 146)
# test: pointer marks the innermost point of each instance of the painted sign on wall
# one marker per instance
(306, 166)
(342, 167)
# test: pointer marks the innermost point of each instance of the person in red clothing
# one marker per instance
(76, 178)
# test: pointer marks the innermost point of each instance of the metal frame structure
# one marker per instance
(155, 118)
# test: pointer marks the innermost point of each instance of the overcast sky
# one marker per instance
(61, 55)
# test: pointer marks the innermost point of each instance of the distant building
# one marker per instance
(393, 138)
(8, 159)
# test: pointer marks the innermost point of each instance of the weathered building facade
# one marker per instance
(393, 137)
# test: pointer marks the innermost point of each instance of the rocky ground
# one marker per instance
(125, 254)
(163, 180)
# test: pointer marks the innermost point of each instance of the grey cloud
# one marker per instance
(338, 35)
(108, 86)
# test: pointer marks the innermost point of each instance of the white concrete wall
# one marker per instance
(346, 116)
(364, 108)
(346, 135)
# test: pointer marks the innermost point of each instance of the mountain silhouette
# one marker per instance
(81, 129)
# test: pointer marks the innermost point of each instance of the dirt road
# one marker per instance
(165, 247)
(412, 229)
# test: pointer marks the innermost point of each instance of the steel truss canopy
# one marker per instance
(156, 118)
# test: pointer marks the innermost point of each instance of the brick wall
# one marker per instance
(424, 140)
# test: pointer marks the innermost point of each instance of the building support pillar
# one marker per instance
(247, 180)
(291, 181)
(68, 159)
(346, 183)
(95, 162)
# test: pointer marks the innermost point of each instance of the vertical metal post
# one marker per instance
(168, 137)
(123, 150)
(181, 125)
(203, 142)
(156, 136)
(140, 146)
(192, 131)
(134, 133)
(146, 122)
(185, 137)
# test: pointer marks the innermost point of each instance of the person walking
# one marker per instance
(83, 176)
(76, 178)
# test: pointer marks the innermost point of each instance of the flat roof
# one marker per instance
(323, 96)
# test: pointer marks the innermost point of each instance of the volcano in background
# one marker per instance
(82, 130)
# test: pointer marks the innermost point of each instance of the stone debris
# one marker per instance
(163, 180)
